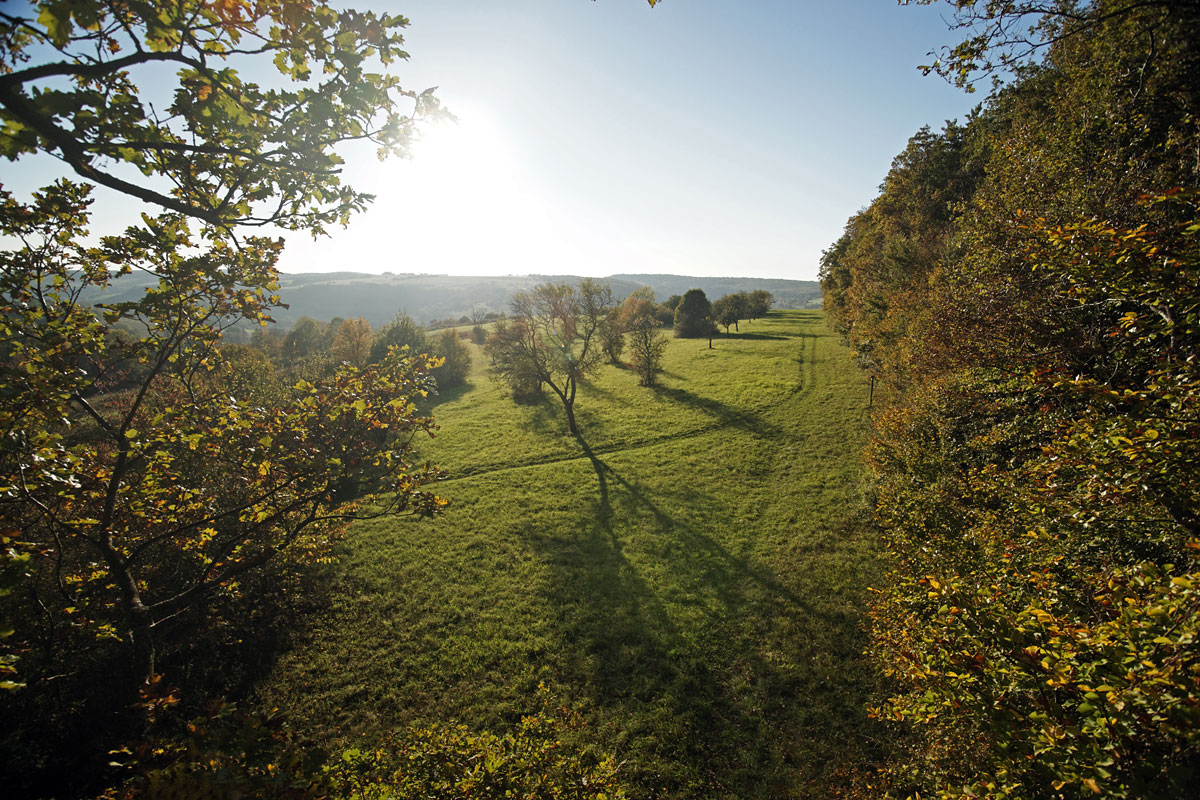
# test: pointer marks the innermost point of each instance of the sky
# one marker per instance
(599, 137)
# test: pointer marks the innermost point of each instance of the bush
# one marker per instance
(456, 360)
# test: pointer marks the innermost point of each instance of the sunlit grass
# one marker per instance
(692, 573)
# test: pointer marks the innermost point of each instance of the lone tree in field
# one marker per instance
(693, 316)
(478, 318)
(552, 338)
(646, 346)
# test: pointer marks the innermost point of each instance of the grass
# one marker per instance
(691, 572)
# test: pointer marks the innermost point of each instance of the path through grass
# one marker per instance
(691, 573)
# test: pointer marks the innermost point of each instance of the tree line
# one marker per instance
(311, 348)
(1025, 291)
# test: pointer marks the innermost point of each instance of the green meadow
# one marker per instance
(690, 574)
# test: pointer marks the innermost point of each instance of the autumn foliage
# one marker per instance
(159, 488)
(1026, 286)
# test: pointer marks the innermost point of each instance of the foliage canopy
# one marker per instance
(220, 147)
(1026, 287)
(553, 338)
(693, 315)
(146, 471)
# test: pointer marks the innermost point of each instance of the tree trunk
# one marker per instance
(141, 637)
(143, 640)
(569, 405)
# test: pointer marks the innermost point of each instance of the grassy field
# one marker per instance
(691, 574)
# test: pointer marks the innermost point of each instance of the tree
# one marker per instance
(503, 347)
(229, 151)
(642, 293)
(759, 303)
(331, 331)
(455, 360)
(478, 318)
(303, 340)
(552, 339)
(693, 315)
(612, 336)
(665, 317)
(1028, 283)
(1009, 35)
(142, 477)
(638, 304)
(876, 279)
(352, 342)
(116, 433)
(647, 345)
(725, 311)
(403, 331)
(141, 484)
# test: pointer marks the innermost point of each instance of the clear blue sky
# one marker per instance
(697, 137)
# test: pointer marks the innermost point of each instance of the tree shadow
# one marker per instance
(449, 395)
(725, 414)
(544, 415)
(593, 388)
(695, 702)
(754, 337)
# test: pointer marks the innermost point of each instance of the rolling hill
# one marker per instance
(377, 298)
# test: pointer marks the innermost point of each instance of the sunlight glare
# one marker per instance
(462, 200)
(464, 203)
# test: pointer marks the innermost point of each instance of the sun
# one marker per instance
(465, 196)
(464, 202)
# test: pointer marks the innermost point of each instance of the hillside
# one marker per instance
(325, 295)
(693, 581)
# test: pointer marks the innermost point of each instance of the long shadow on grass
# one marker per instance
(541, 415)
(672, 638)
(696, 542)
(753, 337)
(451, 393)
(727, 415)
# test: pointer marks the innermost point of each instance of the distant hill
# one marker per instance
(377, 298)
(788, 294)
